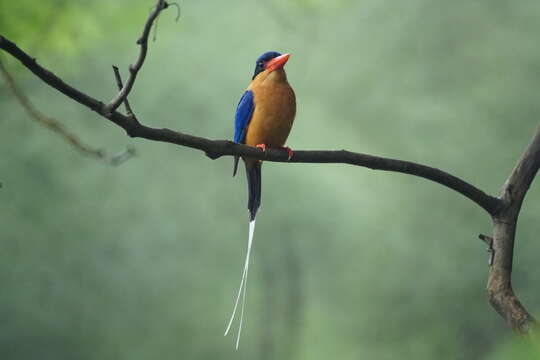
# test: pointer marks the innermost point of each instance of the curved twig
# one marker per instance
(134, 69)
(46, 121)
(118, 77)
(60, 129)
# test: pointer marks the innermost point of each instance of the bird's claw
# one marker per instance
(289, 151)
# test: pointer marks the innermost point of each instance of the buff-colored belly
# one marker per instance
(275, 108)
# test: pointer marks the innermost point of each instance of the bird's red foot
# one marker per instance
(261, 146)
(289, 151)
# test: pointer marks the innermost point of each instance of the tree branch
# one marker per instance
(118, 78)
(52, 124)
(217, 148)
(499, 286)
(59, 128)
(516, 186)
(134, 69)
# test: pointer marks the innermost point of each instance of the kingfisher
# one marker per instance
(264, 118)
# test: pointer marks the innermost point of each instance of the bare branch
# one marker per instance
(517, 184)
(49, 78)
(134, 69)
(118, 78)
(499, 287)
(487, 239)
(217, 148)
(52, 124)
(489, 242)
(59, 128)
(178, 10)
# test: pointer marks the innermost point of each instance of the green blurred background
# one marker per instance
(142, 261)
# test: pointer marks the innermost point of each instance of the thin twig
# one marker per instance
(167, 5)
(51, 123)
(489, 242)
(487, 239)
(178, 10)
(134, 69)
(59, 128)
(118, 78)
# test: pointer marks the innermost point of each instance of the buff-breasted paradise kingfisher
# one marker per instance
(264, 118)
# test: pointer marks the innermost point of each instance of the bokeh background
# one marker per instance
(143, 260)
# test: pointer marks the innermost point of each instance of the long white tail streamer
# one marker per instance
(242, 288)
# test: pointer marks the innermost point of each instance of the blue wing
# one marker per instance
(244, 110)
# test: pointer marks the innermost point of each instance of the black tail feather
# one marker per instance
(253, 172)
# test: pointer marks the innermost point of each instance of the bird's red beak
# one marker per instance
(277, 62)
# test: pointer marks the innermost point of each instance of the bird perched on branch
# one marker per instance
(264, 118)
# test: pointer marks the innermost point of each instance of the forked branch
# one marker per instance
(57, 127)
(134, 69)
(500, 292)
(46, 121)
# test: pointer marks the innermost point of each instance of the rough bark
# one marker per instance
(499, 286)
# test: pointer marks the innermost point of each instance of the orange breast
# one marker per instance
(275, 108)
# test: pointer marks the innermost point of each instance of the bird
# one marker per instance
(264, 118)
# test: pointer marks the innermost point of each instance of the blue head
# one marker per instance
(271, 60)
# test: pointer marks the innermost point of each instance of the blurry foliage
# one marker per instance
(143, 260)
(517, 349)
(70, 27)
